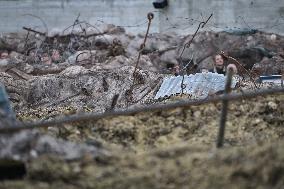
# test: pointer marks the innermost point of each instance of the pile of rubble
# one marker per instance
(37, 53)
(74, 71)
(99, 64)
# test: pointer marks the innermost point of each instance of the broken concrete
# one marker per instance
(27, 145)
(92, 87)
(45, 81)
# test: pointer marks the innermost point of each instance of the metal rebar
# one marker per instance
(155, 107)
(225, 103)
(34, 31)
(113, 102)
(282, 80)
(187, 45)
(240, 65)
(201, 25)
(150, 17)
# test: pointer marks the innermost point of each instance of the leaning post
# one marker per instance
(225, 103)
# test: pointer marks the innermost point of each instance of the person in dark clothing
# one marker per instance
(7, 115)
(220, 66)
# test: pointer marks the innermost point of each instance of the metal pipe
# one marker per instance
(150, 17)
(96, 116)
(225, 103)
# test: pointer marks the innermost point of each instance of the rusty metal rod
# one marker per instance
(187, 45)
(240, 65)
(225, 103)
(201, 25)
(96, 116)
(150, 17)
(34, 31)
(282, 80)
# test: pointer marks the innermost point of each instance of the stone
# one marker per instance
(73, 71)
(273, 37)
(93, 87)
(28, 68)
(81, 56)
(269, 66)
(3, 63)
(169, 58)
(27, 145)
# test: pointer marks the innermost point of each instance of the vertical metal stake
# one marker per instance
(150, 17)
(282, 80)
(223, 118)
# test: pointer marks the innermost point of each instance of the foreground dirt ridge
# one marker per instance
(170, 149)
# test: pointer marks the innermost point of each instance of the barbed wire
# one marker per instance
(174, 23)
(155, 107)
(190, 22)
(39, 18)
(187, 45)
(137, 24)
(83, 25)
(183, 23)
(150, 17)
(77, 43)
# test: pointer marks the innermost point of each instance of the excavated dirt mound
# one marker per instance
(41, 55)
(181, 166)
(249, 122)
(82, 88)
(172, 149)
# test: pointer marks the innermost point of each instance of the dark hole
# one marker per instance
(85, 91)
(101, 45)
(12, 170)
(170, 66)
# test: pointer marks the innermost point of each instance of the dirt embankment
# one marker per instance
(172, 149)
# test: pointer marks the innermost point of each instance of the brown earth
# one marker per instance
(172, 149)
(161, 149)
